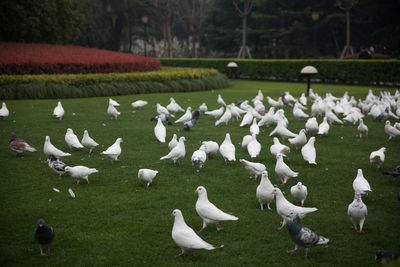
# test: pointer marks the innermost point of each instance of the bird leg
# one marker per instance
(282, 184)
(279, 228)
(87, 179)
(41, 250)
(306, 255)
(180, 254)
(194, 255)
(201, 230)
(255, 177)
(77, 181)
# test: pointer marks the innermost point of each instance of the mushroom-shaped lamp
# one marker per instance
(308, 71)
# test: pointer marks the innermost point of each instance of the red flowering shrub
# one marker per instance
(20, 58)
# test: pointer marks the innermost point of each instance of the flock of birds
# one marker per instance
(254, 116)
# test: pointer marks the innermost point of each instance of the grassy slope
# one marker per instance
(115, 221)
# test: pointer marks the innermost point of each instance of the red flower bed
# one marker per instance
(20, 58)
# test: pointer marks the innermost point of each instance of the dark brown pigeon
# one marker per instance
(19, 146)
(395, 172)
(44, 235)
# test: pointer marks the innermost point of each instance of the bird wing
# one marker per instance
(209, 211)
(187, 238)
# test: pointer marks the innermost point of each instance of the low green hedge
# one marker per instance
(337, 71)
(92, 85)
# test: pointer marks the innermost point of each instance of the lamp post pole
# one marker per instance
(145, 20)
(315, 18)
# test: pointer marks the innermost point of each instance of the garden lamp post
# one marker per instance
(145, 20)
(232, 66)
(308, 71)
(315, 18)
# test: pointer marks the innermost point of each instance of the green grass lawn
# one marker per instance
(116, 221)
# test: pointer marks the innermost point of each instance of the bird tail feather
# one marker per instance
(30, 149)
(323, 241)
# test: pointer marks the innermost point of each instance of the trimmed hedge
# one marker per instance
(92, 85)
(336, 71)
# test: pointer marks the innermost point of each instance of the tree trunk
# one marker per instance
(244, 35)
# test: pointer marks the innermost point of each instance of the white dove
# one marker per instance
(49, 149)
(72, 140)
(220, 101)
(163, 110)
(185, 237)
(185, 117)
(209, 212)
(299, 192)
(312, 126)
(268, 118)
(277, 147)
(173, 142)
(357, 211)
(282, 131)
(58, 111)
(254, 147)
(299, 113)
(323, 128)
(203, 108)
(247, 119)
(160, 131)
(235, 112)
(264, 192)
(88, 142)
(360, 184)
(147, 176)
(227, 149)
(300, 140)
(303, 99)
(226, 117)
(308, 151)
(139, 104)
(112, 111)
(113, 102)
(4, 111)
(246, 140)
(254, 168)
(275, 104)
(114, 150)
(173, 107)
(362, 129)
(254, 129)
(391, 131)
(80, 172)
(177, 152)
(377, 157)
(211, 148)
(216, 113)
(283, 170)
(331, 117)
(284, 207)
(198, 158)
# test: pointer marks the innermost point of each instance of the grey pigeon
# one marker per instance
(189, 125)
(395, 172)
(196, 114)
(385, 255)
(56, 165)
(163, 117)
(44, 235)
(303, 236)
(384, 115)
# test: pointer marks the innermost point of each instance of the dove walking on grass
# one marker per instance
(177, 152)
(88, 142)
(357, 212)
(198, 158)
(221, 101)
(227, 149)
(56, 165)
(209, 212)
(114, 150)
(139, 104)
(303, 236)
(203, 108)
(44, 235)
(210, 147)
(4, 112)
(185, 117)
(284, 208)
(160, 131)
(184, 236)
(283, 170)
(308, 151)
(254, 168)
(112, 111)
(246, 140)
(360, 184)
(58, 111)
(391, 131)
(299, 192)
(49, 149)
(72, 140)
(377, 157)
(173, 142)
(277, 147)
(226, 117)
(247, 119)
(254, 128)
(298, 113)
(254, 147)
(312, 126)
(282, 131)
(323, 128)
(113, 102)
(19, 146)
(362, 129)
(300, 139)
(80, 172)
(147, 176)
(264, 192)
(216, 113)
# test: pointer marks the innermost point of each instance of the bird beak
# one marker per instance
(195, 191)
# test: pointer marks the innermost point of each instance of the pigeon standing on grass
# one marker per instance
(254, 147)
(49, 149)
(160, 131)
(386, 256)
(226, 117)
(203, 108)
(246, 140)
(56, 165)
(284, 208)
(80, 172)
(147, 176)
(283, 170)
(216, 113)
(362, 129)
(312, 126)
(227, 149)
(299, 192)
(177, 152)
(58, 111)
(254, 128)
(254, 168)
(72, 140)
(44, 235)
(395, 172)
(113, 102)
(391, 131)
(185, 117)
(185, 237)
(88, 142)
(303, 236)
(323, 128)
(360, 184)
(300, 140)
(19, 146)
(198, 158)
(308, 151)
(221, 101)
(209, 212)
(173, 142)
(139, 104)
(277, 147)
(4, 111)
(112, 111)
(211, 148)
(357, 212)
(264, 192)
(377, 157)
(114, 150)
